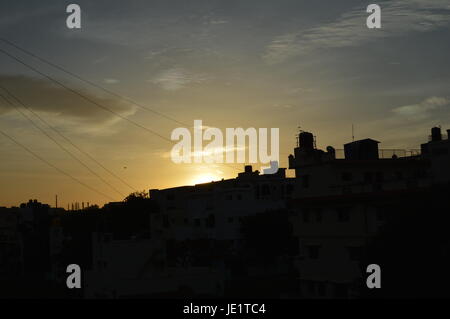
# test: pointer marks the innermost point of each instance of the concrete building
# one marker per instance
(10, 243)
(339, 205)
(437, 151)
(215, 210)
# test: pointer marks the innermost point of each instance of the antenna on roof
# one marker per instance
(353, 133)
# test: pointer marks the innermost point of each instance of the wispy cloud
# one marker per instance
(397, 18)
(210, 153)
(423, 109)
(177, 78)
(111, 81)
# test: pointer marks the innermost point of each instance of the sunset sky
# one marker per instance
(233, 63)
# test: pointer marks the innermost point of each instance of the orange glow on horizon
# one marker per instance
(203, 178)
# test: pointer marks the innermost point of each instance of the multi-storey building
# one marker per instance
(340, 203)
(337, 204)
(215, 210)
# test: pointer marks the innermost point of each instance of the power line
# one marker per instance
(66, 138)
(87, 98)
(129, 100)
(60, 145)
(53, 166)
(83, 96)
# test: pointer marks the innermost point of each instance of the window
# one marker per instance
(210, 221)
(318, 214)
(355, 253)
(289, 189)
(305, 215)
(239, 197)
(305, 181)
(166, 221)
(186, 221)
(197, 222)
(321, 289)
(347, 176)
(311, 288)
(368, 177)
(313, 251)
(399, 175)
(228, 197)
(379, 176)
(421, 173)
(343, 214)
(380, 215)
(230, 219)
(377, 188)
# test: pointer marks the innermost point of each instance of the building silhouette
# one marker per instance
(256, 235)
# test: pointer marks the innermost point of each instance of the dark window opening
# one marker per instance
(313, 251)
(318, 213)
(305, 215)
(355, 253)
(305, 181)
(211, 221)
(321, 289)
(368, 177)
(347, 176)
(311, 287)
(379, 176)
(343, 214)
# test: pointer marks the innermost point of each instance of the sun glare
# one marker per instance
(203, 178)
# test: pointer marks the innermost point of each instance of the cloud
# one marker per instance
(284, 105)
(111, 81)
(210, 153)
(177, 78)
(397, 18)
(406, 126)
(212, 21)
(43, 96)
(423, 109)
(169, 52)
